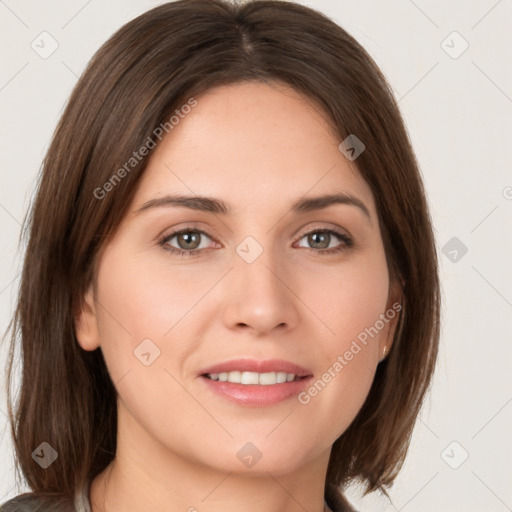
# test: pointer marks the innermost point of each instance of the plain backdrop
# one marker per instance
(457, 104)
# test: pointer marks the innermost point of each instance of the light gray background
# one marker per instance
(458, 112)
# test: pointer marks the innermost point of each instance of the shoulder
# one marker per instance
(31, 502)
(24, 502)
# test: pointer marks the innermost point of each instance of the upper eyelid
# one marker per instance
(171, 235)
(185, 228)
(324, 227)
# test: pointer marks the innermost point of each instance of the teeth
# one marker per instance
(263, 379)
(281, 377)
(249, 378)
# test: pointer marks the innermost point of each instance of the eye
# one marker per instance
(192, 241)
(327, 241)
(186, 242)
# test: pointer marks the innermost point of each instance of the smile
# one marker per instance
(255, 383)
(253, 378)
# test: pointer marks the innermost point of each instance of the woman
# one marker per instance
(230, 296)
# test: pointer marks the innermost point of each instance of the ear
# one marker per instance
(394, 311)
(86, 322)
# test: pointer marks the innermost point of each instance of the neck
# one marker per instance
(145, 475)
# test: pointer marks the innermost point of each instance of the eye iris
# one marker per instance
(319, 239)
(190, 239)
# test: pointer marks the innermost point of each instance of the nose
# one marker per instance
(260, 296)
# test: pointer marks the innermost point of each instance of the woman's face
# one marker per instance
(265, 283)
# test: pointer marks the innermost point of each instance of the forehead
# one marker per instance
(254, 145)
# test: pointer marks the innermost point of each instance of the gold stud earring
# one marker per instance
(384, 351)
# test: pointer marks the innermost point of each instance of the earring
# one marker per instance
(384, 351)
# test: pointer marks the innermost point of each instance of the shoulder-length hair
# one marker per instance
(133, 84)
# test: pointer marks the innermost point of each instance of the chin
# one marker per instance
(259, 458)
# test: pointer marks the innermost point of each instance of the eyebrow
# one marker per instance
(217, 206)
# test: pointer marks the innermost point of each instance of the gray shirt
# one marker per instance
(29, 502)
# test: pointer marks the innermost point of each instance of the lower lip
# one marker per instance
(256, 395)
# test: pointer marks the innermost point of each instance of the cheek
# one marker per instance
(349, 298)
(350, 303)
(141, 311)
(143, 297)
(138, 311)
(149, 305)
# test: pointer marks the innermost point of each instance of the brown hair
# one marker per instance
(136, 80)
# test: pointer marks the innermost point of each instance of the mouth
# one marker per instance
(256, 383)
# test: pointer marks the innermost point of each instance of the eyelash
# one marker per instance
(347, 242)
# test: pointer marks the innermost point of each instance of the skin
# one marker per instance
(258, 147)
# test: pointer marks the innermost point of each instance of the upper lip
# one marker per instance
(253, 365)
